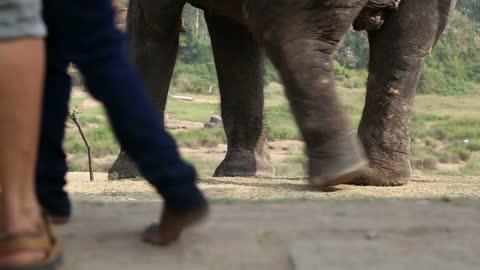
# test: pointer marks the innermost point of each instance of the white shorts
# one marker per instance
(21, 18)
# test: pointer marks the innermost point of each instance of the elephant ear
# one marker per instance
(372, 16)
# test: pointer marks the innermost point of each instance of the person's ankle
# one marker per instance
(21, 218)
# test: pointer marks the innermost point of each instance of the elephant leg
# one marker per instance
(397, 53)
(301, 38)
(153, 28)
(239, 63)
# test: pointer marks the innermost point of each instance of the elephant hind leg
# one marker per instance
(397, 53)
(301, 41)
(239, 63)
(153, 27)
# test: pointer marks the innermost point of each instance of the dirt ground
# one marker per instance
(432, 223)
(233, 189)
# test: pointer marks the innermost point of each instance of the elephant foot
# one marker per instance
(376, 176)
(123, 168)
(336, 163)
(345, 175)
(393, 169)
(245, 163)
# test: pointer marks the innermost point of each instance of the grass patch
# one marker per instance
(440, 125)
(458, 129)
(204, 167)
(196, 138)
(275, 95)
(98, 111)
(280, 123)
(91, 120)
(75, 101)
(293, 166)
(101, 140)
(290, 170)
(79, 163)
(422, 125)
(473, 144)
(191, 111)
(423, 158)
(472, 167)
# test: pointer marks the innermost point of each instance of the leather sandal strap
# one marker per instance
(43, 241)
(15, 243)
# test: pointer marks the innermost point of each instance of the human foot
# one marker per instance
(172, 224)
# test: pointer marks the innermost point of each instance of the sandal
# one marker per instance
(44, 241)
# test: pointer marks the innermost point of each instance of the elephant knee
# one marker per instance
(312, 53)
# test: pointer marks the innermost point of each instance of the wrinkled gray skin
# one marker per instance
(300, 37)
(398, 51)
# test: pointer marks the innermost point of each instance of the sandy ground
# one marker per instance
(233, 189)
(432, 223)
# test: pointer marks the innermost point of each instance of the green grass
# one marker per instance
(93, 112)
(471, 168)
(191, 111)
(101, 140)
(280, 123)
(205, 167)
(439, 127)
(458, 129)
(75, 101)
(91, 120)
(292, 166)
(196, 138)
(290, 169)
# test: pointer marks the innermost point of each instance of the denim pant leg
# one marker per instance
(51, 163)
(138, 129)
(87, 31)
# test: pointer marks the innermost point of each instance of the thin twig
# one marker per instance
(73, 116)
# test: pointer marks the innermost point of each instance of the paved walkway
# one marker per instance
(359, 234)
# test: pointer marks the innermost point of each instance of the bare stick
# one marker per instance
(73, 116)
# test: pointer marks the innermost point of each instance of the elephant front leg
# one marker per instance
(239, 66)
(397, 53)
(153, 28)
(301, 39)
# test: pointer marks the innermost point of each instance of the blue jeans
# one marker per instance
(82, 32)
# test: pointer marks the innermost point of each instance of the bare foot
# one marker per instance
(172, 224)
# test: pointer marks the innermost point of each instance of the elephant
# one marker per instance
(300, 38)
